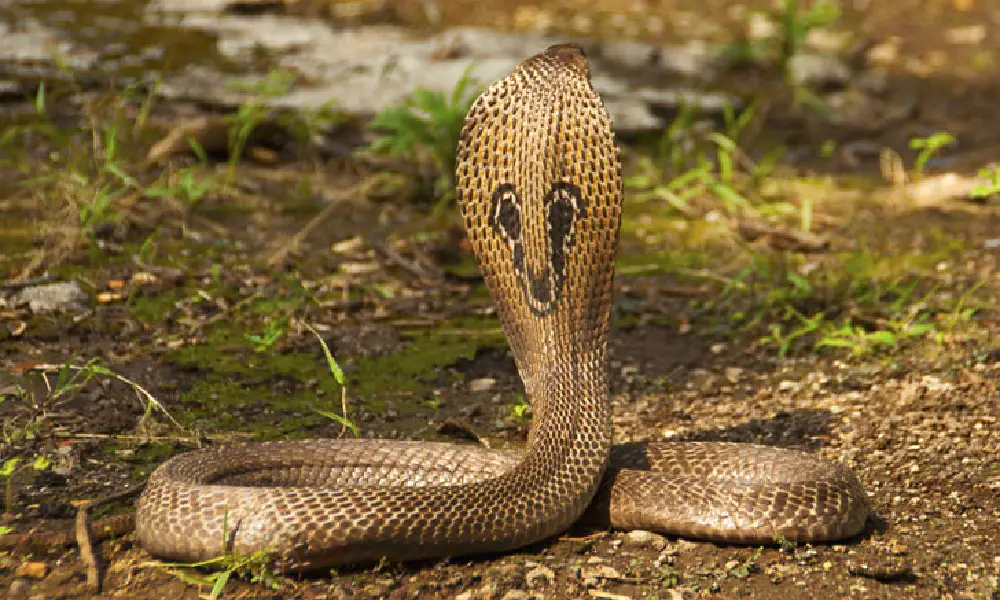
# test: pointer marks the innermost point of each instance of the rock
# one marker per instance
(634, 55)
(482, 384)
(366, 69)
(32, 570)
(592, 576)
(515, 595)
(694, 59)
(760, 26)
(787, 386)
(819, 70)
(645, 539)
(682, 546)
(933, 190)
(33, 42)
(539, 576)
(51, 297)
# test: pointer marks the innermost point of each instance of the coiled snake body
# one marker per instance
(540, 188)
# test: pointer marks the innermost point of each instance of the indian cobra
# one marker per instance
(540, 188)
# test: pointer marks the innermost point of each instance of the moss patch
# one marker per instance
(273, 393)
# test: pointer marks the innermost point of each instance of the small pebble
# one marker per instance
(898, 548)
(33, 570)
(786, 385)
(733, 374)
(51, 297)
(539, 576)
(483, 384)
(593, 575)
(643, 538)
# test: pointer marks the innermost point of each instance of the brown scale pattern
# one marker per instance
(540, 188)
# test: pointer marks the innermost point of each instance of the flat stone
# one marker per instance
(818, 70)
(482, 384)
(367, 69)
(51, 297)
(647, 539)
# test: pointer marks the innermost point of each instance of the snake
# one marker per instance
(540, 188)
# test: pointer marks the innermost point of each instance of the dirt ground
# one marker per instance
(396, 299)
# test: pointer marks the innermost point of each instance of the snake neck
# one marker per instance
(569, 399)
(538, 180)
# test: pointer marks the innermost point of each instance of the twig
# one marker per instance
(86, 547)
(166, 272)
(407, 265)
(16, 284)
(607, 595)
(333, 204)
(587, 538)
(706, 274)
(781, 239)
(460, 429)
(222, 437)
(43, 541)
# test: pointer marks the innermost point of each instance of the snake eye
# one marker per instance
(506, 213)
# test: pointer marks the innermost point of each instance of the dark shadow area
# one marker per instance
(801, 429)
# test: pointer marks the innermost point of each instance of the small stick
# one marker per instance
(16, 284)
(86, 546)
(104, 529)
(409, 266)
(333, 204)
